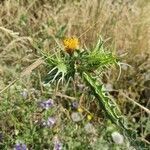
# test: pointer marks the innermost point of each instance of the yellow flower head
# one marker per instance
(89, 117)
(71, 44)
(80, 110)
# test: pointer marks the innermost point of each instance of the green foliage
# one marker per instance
(112, 111)
(61, 32)
(63, 66)
(27, 27)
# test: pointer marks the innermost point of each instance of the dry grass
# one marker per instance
(29, 26)
(26, 27)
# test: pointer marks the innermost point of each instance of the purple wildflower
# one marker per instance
(47, 104)
(75, 105)
(49, 122)
(20, 146)
(58, 146)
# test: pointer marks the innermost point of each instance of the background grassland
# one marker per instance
(29, 26)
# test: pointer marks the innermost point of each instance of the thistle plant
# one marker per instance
(65, 62)
(89, 63)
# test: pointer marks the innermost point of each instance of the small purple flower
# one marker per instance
(49, 122)
(75, 105)
(47, 104)
(58, 146)
(20, 146)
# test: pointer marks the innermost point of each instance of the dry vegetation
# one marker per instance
(29, 26)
